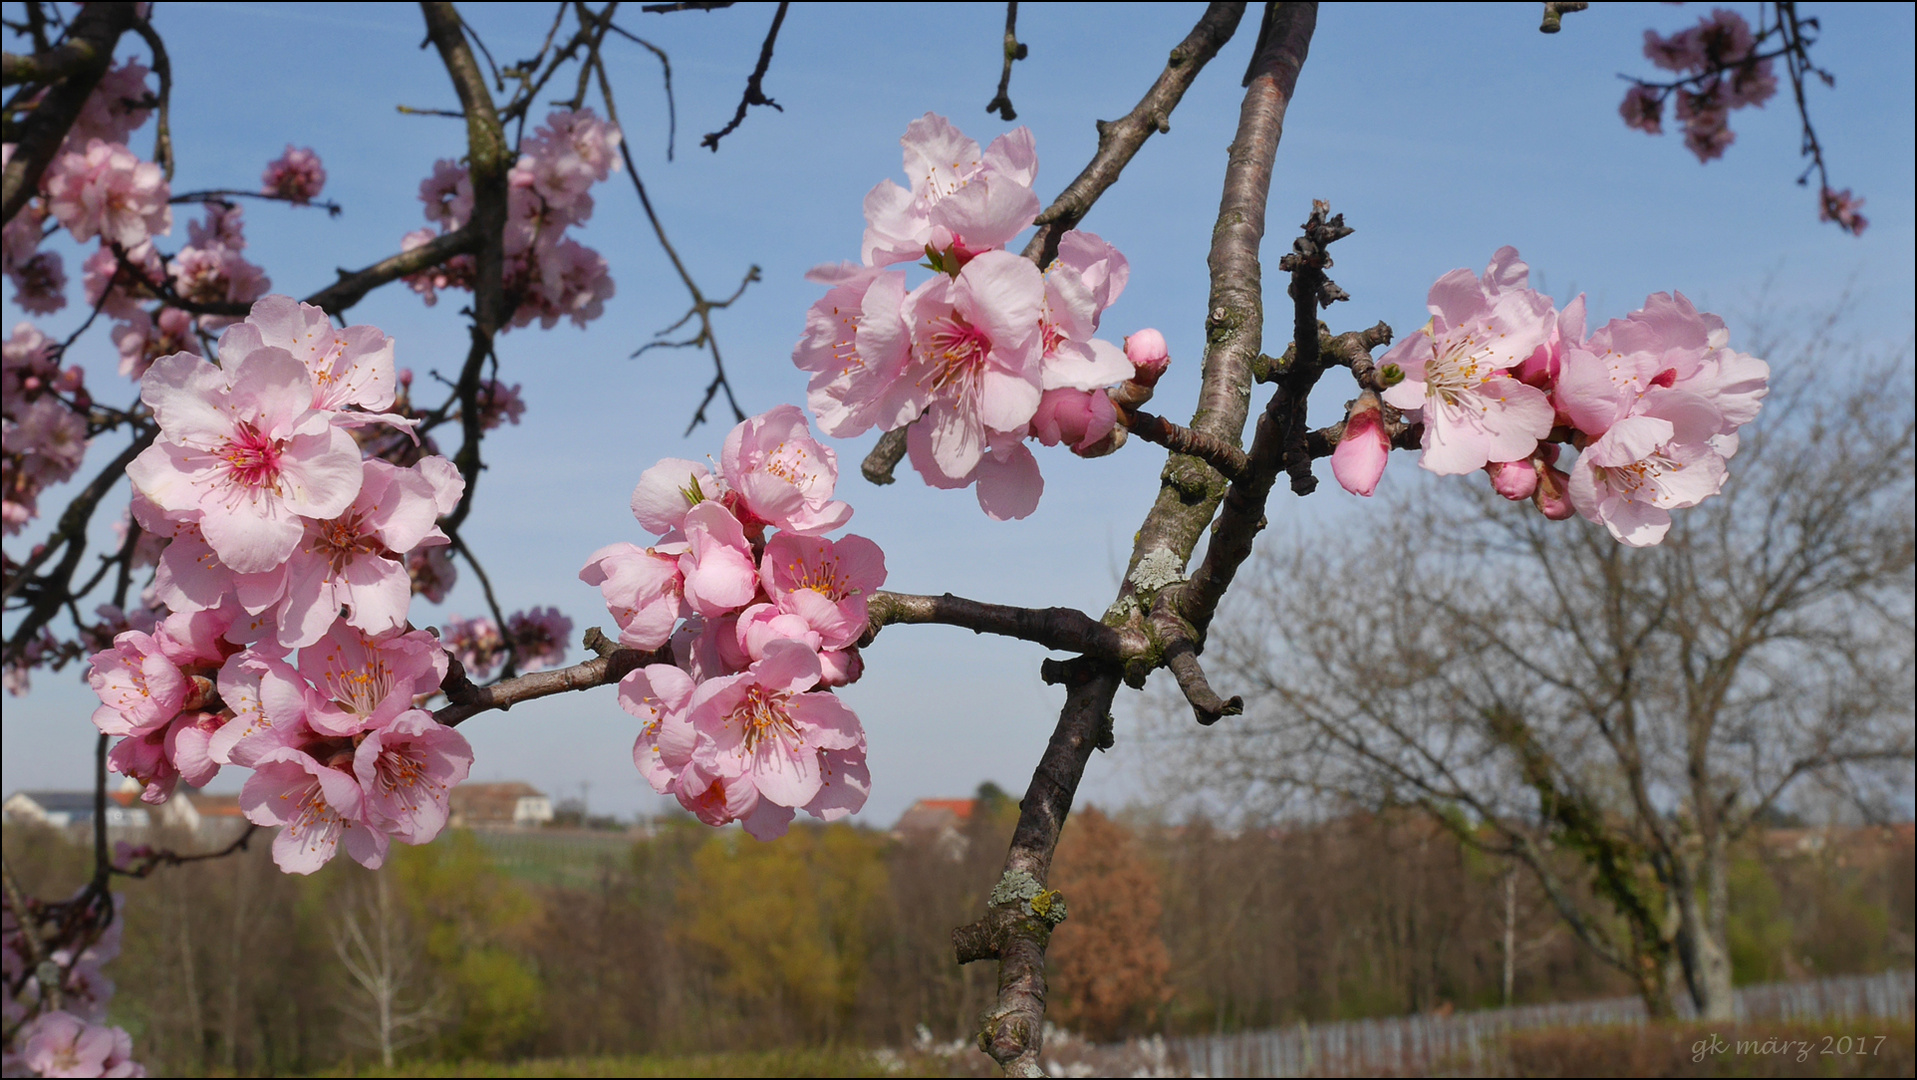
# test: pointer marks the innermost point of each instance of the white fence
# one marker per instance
(1412, 1044)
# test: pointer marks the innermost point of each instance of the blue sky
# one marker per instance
(1442, 132)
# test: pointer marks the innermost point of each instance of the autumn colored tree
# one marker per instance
(1108, 964)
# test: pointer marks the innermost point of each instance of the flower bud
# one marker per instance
(1359, 459)
(1514, 480)
(1149, 355)
(1553, 495)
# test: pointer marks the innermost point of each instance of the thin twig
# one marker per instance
(1002, 103)
(755, 83)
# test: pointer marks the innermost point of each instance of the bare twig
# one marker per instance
(1554, 12)
(1014, 50)
(755, 83)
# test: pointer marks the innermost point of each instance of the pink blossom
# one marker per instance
(360, 683)
(268, 700)
(717, 566)
(1456, 372)
(1359, 459)
(499, 404)
(350, 561)
(1841, 207)
(1682, 51)
(658, 695)
(350, 366)
(107, 191)
(1006, 475)
(643, 589)
(976, 362)
(142, 339)
(318, 805)
(568, 154)
(242, 445)
(1667, 344)
(765, 728)
(476, 643)
(669, 490)
(407, 771)
(961, 203)
(856, 345)
(39, 282)
(57, 1043)
(432, 573)
(1088, 275)
(448, 195)
(539, 637)
(296, 175)
(1081, 419)
(211, 270)
(118, 106)
(1643, 109)
(116, 288)
(1149, 354)
(781, 475)
(1707, 131)
(1647, 465)
(825, 582)
(140, 690)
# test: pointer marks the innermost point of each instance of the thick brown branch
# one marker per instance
(353, 285)
(1012, 1032)
(488, 158)
(1119, 140)
(1065, 629)
(96, 30)
(885, 456)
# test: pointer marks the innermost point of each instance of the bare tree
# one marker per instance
(1546, 693)
(391, 1009)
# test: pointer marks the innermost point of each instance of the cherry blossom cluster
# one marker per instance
(73, 1040)
(286, 647)
(549, 276)
(99, 190)
(1720, 71)
(43, 424)
(987, 352)
(743, 725)
(534, 639)
(1501, 379)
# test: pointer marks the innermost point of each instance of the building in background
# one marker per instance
(508, 805)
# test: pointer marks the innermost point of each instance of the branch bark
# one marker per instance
(1010, 930)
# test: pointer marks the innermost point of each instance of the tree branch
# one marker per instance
(96, 30)
(1013, 1031)
(755, 83)
(1061, 628)
(466, 701)
(1002, 103)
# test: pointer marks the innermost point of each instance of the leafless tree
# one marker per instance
(392, 1008)
(1539, 687)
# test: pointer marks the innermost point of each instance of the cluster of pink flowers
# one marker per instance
(296, 175)
(550, 275)
(1718, 58)
(989, 351)
(75, 1039)
(536, 639)
(743, 726)
(43, 423)
(1500, 378)
(210, 269)
(285, 571)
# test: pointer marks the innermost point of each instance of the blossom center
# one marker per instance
(766, 717)
(252, 459)
(957, 350)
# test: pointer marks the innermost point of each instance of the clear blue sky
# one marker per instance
(1442, 132)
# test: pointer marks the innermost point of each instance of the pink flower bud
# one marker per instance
(1513, 479)
(1149, 356)
(1359, 460)
(1553, 494)
(1077, 418)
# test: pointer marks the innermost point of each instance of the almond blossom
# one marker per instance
(296, 175)
(961, 202)
(781, 475)
(242, 445)
(108, 191)
(1457, 370)
(856, 344)
(318, 806)
(407, 771)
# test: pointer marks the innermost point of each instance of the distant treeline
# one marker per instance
(691, 940)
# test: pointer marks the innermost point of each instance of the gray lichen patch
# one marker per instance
(1020, 889)
(1158, 568)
